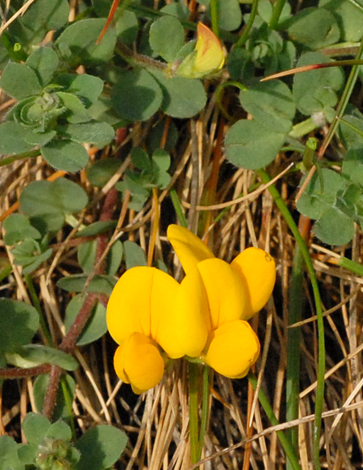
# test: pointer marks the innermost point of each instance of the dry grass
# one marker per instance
(157, 422)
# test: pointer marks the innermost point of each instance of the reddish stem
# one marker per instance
(69, 341)
(19, 373)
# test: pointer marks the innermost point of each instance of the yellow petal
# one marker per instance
(186, 330)
(188, 247)
(233, 348)
(257, 269)
(139, 363)
(140, 298)
(210, 55)
(225, 290)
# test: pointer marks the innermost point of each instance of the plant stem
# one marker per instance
(244, 36)
(193, 412)
(19, 156)
(319, 400)
(205, 410)
(279, 5)
(178, 208)
(290, 454)
(214, 17)
(293, 349)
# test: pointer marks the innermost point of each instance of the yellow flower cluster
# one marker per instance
(153, 317)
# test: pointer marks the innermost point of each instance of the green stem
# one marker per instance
(178, 208)
(244, 36)
(205, 410)
(214, 17)
(36, 303)
(352, 266)
(193, 412)
(279, 6)
(319, 400)
(343, 101)
(302, 128)
(286, 445)
(20, 156)
(293, 349)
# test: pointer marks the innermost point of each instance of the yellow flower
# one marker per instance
(207, 57)
(139, 320)
(214, 301)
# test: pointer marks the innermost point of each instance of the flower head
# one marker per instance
(216, 298)
(207, 57)
(138, 319)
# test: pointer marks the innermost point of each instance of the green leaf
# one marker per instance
(9, 459)
(19, 81)
(76, 110)
(349, 18)
(316, 89)
(351, 132)
(166, 37)
(87, 257)
(100, 172)
(141, 159)
(179, 10)
(250, 145)
(314, 27)
(65, 155)
(316, 199)
(59, 430)
(45, 197)
(48, 222)
(39, 389)
(154, 137)
(183, 97)
(352, 167)
(18, 228)
(39, 139)
(96, 228)
(127, 27)
(100, 447)
(18, 324)
(35, 427)
(93, 132)
(136, 96)
(134, 255)
(87, 87)
(229, 14)
(41, 17)
(161, 163)
(44, 61)
(334, 227)
(77, 43)
(27, 453)
(12, 138)
(36, 261)
(32, 355)
(100, 284)
(95, 327)
(271, 104)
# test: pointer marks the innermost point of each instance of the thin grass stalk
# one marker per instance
(293, 349)
(275, 18)
(286, 444)
(319, 400)
(193, 412)
(244, 36)
(214, 16)
(205, 410)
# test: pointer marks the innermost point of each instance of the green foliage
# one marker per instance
(149, 173)
(166, 37)
(18, 324)
(50, 447)
(96, 325)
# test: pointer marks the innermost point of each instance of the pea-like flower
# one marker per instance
(139, 318)
(153, 318)
(214, 301)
